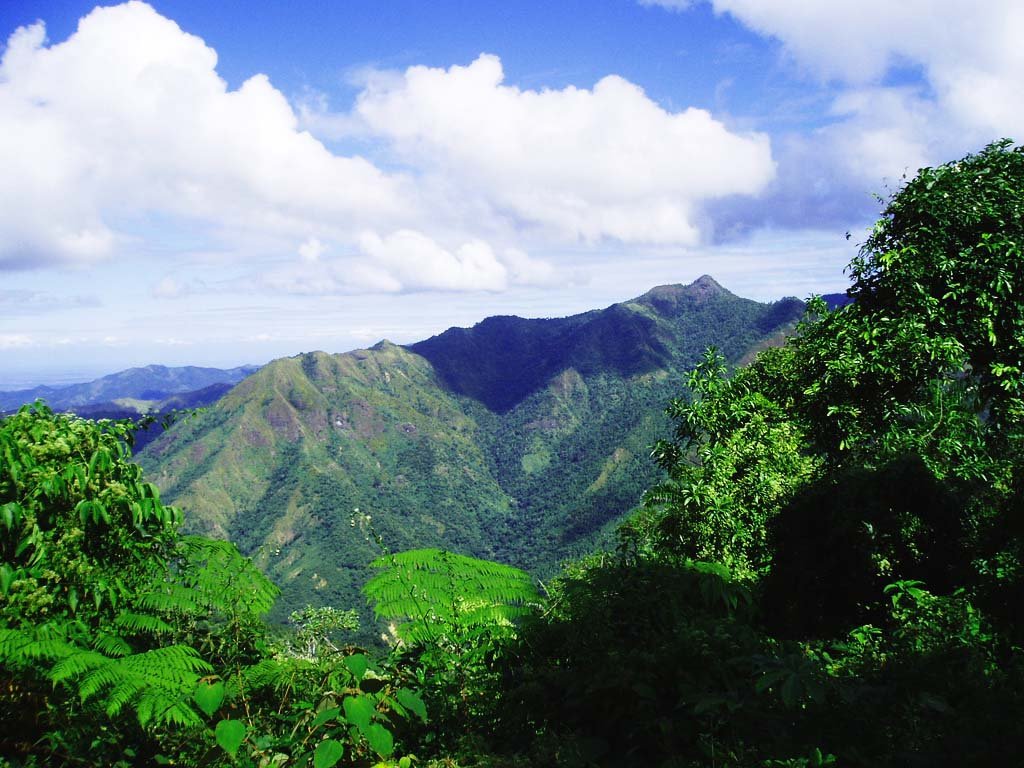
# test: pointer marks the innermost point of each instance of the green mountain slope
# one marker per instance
(518, 440)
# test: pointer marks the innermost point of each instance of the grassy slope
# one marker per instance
(468, 445)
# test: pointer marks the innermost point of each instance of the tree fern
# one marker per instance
(157, 683)
(437, 592)
(220, 577)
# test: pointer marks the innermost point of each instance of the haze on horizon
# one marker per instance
(218, 184)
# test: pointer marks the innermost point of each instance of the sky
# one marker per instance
(187, 182)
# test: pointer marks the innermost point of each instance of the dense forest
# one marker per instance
(829, 571)
(520, 440)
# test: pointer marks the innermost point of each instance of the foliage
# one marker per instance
(747, 462)
(864, 484)
(522, 441)
(830, 574)
(456, 617)
(122, 640)
(443, 596)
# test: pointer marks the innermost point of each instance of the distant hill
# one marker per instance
(836, 300)
(160, 410)
(522, 440)
(150, 386)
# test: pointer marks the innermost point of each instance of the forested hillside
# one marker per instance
(829, 571)
(523, 441)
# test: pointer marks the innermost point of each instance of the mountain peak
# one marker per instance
(672, 299)
(707, 283)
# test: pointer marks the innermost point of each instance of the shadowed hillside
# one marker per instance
(519, 440)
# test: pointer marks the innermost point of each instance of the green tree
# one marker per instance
(865, 482)
(124, 641)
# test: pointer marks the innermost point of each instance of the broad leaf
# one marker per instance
(230, 735)
(357, 665)
(327, 753)
(209, 697)
(380, 739)
(359, 711)
(412, 702)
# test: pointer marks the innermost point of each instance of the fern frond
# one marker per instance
(431, 588)
(23, 646)
(158, 683)
(224, 579)
(76, 665)
(170, 598)
(143, 623)
(275, 673)
(111, 645)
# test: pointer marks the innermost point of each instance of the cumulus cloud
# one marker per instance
(128, 120)
(129, 116)
(970, 61)
(912, 83)
(311, 250)
(606, 162)
(857, 41)
(409, 261)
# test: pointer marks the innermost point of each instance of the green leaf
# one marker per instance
(209, 697)
(380, 739)
(359, 711)
(412, 702)
(357, 664)
(327, 753)
(324, 716)
(230, 735)
(6, 578)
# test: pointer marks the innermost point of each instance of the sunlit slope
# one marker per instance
(518, 440)
(281, 462)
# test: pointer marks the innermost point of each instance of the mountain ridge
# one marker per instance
(149, 383)
(520, 440)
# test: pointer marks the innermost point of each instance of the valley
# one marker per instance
(519, 440)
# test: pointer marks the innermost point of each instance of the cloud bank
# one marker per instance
(128, 116)
(966, 61)
(586, 164)
(128, 121)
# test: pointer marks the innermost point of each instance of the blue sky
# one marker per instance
(220, 183)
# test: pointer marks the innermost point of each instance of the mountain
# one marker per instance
(836, 300)
(150, 384)
(521, 440)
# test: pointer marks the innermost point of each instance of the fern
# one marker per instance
(439, 592)
(158, 683)
(221, 578)
(141, 623)
(27, 647)
(277, 673)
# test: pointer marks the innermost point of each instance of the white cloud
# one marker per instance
(409, 261)
(671, 5)
(129, 116)
(416, 262)
(311, 250)
(913, 83)
(169, 288)
(128, 122)
(607, 162)
(15, 340)
(969, 56)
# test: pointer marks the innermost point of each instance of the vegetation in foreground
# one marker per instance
(829, 574)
